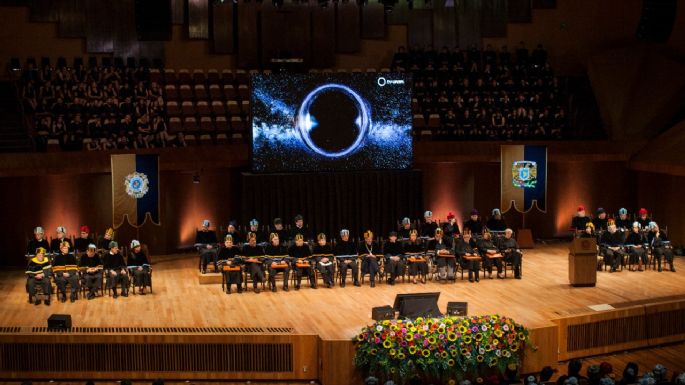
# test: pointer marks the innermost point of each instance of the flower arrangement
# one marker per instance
(446, 348)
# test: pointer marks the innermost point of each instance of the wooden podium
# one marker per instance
(582, 262)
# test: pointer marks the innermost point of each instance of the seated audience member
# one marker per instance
(450, 228)
(253, 256)
(643, 217)
(369, 252)
(405, 228)
(90, 266)
(37, 241)
(231, 265)
(394, 258)
(496, 222)
(323, 254)
(115, 270)
(511, 251)
(474, 224)
(468, 256)
(580, 219)
(303, 263)
(277, 261)
(66, 272)
(38, 272)
(104, 241)
(60, 237)
(661, 246)
(635, 243)
(300, 228)
(139, 264)
(623, 222)
(600, 221)
(428, 226)
(205, 241)
(490, 254)
(81, 243)
(611, 244)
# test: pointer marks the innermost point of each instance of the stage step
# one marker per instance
(209, 278)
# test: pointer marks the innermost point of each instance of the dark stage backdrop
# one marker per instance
(332, 201)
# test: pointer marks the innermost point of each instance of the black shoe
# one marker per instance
(47, 302)
(228, 290)
(342, 284)
(659, 269)
(297, 286)
(256, 290)
(37, 302)
(471, 280)
(356, 283)
(285, 288)
(30, 299)
(125, 293)
(373, 283)
(204, 271)
(240, 291)
(273, 289)
(328, 285)
(314, 287)
(518, 277)
(72, 298)
(63, 298)
(141, 291)
(91, 296)
(672, 268)
(477, 279)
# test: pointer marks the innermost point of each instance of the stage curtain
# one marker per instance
(332, 201)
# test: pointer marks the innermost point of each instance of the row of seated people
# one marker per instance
(87, 270)
(392, 258)
(600, 220)
(479, 94)
(632, 247)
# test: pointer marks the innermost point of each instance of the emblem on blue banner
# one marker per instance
(524, 173)
(137, 184)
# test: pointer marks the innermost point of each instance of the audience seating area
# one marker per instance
(485, 95)
(458, 95)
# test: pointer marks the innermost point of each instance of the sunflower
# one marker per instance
(432, 340)
(480, 358)
(387, 344)
(498, 333)
(392, 352)
(462, 329)
(495, 341)
(444, 354)
(392, 370)
(452, 337)
(409, 337)
(478, 336)
(514, 347)
(522, 336)
(453, 353)
(425, 352)
(493, 362)
(467, 340)
(401, 356)
(412, 350)
(360, 337)
(450, 362)
(373, 352)
(441, 330)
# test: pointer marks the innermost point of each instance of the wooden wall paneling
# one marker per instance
(445, 27)
(248, 35)
(298, 36)
(322, 36)
(601, 333)
(336, 359)
(373, 21)
(198, 19)
(223, 27)
(286, 32)
(126, 38)
(544, 4)
(665, 322)
(399, 14)
(545, 340)
(100, 24)
(348, 34)
(519, 11)
(420, 28)
(494, 18)
(273, 31)
(178, 11)
(72, 18)
(469, 23)
(44, 10)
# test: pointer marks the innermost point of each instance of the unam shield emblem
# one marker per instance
(524, 173)
(137, 184)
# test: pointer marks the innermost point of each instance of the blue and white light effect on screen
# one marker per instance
(324, 122)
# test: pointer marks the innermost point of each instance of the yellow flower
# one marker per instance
(464, 351)
(453, 353)
(425, 352)
(401, 356)
(452, 337)
(522, 336)
(422, 332)
(495, 341)
(412, 350)
(441, 330)
(467, 340)
(444, 354)
(493, 362)
(360, 337)
(392, 352)
(462, 329)
(514, 347)
(479, 358)
(498, 333)
(386, 322)
(373, 352)
(432, 340)
(409, 337)
(450, 362)
(387, 344)
(479, 336)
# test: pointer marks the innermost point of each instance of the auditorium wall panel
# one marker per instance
(662, 195)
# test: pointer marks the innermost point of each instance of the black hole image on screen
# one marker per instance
(334, 116)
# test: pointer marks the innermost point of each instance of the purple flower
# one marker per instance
(474, 329)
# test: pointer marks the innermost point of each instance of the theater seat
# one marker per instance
(218, 108)
(213, 76)
(184, 76)
(203, 108)
(175, 125)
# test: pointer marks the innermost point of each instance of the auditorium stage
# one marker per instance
(180, 301)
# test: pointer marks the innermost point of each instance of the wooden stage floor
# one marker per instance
(338, 313)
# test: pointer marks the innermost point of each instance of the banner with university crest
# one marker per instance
(135, 189)
(524, 178)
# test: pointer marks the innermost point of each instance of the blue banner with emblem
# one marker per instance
(524, 178)
(135, 189)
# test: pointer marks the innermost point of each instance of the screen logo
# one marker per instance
(383, 81)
